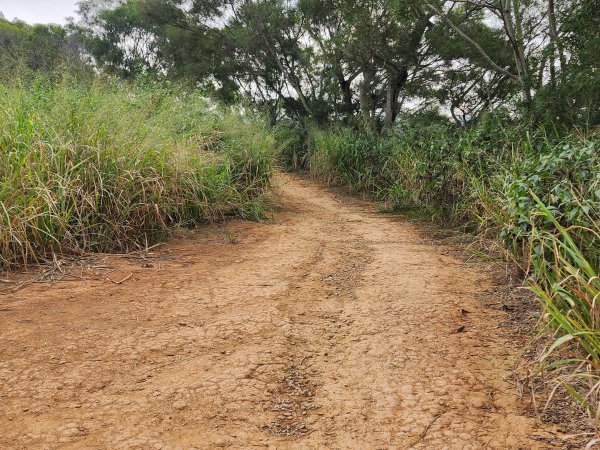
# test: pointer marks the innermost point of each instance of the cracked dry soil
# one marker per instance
(329, 327)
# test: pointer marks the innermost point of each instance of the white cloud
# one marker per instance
(38, 11)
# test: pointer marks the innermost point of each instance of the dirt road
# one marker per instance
(329, 327)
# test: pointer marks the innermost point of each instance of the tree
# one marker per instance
(119, 39)
(38, 48)
(362, 62)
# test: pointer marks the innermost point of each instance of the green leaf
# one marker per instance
(560, 341)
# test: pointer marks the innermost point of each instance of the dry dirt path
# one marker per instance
(329, 327)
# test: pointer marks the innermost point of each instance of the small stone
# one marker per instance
(179, 405)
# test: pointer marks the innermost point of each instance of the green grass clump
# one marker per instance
(565, 279)
(106, 166)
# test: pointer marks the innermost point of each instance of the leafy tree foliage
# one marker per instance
(44, 48)
(363, 63)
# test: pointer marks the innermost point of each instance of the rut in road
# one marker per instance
(329, 327)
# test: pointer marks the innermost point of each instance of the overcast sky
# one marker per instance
(38, 11)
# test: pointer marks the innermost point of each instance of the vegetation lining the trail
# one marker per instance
(109, 166)
(538, 193)
(565, 279)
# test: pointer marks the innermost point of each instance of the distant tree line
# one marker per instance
(364, 63)
(38, 48)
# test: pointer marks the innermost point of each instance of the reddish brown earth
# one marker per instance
(329, 327)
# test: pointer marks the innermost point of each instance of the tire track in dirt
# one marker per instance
(328, 327)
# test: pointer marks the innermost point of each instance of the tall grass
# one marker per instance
(565, 279)
(105, 166)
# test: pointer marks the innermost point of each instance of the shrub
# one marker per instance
(566, 178)
(291, 138)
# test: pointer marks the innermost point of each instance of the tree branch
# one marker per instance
(481, 51)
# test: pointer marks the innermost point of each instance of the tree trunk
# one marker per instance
(516, 40)
(347, 105)
(396, 79)
(397, 76)
(365, 97)
(556, 46)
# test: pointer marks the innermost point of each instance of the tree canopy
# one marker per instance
(365, 63)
